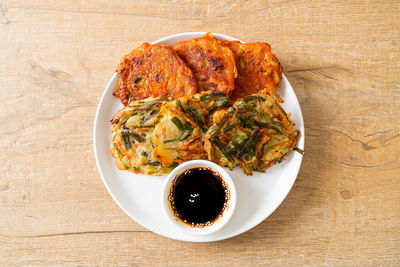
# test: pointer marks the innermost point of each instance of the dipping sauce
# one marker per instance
(198, 196)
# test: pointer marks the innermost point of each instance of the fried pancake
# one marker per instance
(258, 69)
(154, 135)
(177, 137)
(254, 133)
(212, 63)
(131, 141)
(153, 70)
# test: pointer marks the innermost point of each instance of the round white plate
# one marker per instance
(140, 195)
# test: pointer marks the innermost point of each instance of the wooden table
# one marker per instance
(342, 58)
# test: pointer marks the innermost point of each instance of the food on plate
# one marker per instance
(153, 70)
(212, 63)
(177, 137)
(201, 99)
(131, 140)
(254, 133)
(258, 69)
(153, 136)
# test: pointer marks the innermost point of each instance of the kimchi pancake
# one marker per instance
(258, 69)
(212, 63)
(153, 70)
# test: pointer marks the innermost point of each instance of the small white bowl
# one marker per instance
(227, 211)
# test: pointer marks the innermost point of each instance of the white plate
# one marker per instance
(140, 195)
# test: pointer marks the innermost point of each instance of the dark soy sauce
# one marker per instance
(198, 196)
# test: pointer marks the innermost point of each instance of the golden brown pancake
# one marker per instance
(154, 135)
(254, 133)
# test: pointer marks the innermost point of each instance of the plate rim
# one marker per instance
(301, 144)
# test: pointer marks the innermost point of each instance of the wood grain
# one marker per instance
(342, 58)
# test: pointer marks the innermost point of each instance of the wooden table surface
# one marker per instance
(342, 58)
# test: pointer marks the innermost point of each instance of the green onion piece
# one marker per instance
(137, 137)
(143, 126)
(172, 140)
(262, 124)
(179, 104)
(228, 128)
(125, 139)
(280, 159)
(213, 108)
(221, 147)
(239, 140)
(178, 123)
(222, 102)
(218, 103)
(248, 169)
(188, 131)
(225, 118)
(250, 98)
(185, 135)
(248, 157)
(263, 165)
(213, 129)
(117, 149)
(210, 96)
(248, 124)
(250, 146)
(173, 165)
(188, 126)
(152, 112)
(195, 116)
(246, 107)
(277, 126)
(154, 163)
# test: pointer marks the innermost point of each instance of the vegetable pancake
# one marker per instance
(153, 136)
(212, 63)
(177, 138)
(131, 141)
(153, 70)
(255, 133)
(258, 68)
(179, 135)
